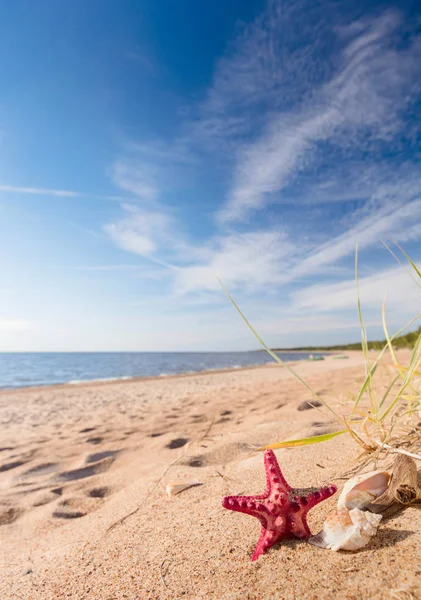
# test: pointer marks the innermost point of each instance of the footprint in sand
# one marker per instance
(196, 462)
(10, 515)
(41, 469)
(323, 428)
(177, 443)
(11, 465)
(84, 472)
(68, 514)
(308, 405)
(79, 506)
(97, 456)
(45, 498)
(99, 492)
(87, 429)
(95, 440)
(197, 419)
(156, 434)
(222, 455)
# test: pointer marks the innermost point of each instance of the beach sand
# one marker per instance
(76, 459)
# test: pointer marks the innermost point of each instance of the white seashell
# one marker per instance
(347, 530)
(361, 490)
(175, 487)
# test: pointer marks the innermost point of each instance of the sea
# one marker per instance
(35, 369)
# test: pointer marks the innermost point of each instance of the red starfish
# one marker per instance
(282, 510)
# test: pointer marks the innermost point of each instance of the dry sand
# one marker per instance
(75, 459)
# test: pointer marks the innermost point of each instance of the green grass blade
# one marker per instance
(387, 392)
(366, 383)
(315, 439)
(414, 362)
(364, 343)
(376, 363)
(360, 316)
(276, 358)
(413, 265)
(415, 373)
(410, 273)
(388, 340)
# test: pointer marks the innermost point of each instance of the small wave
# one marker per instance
(101, 380)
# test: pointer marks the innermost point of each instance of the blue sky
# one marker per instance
(147, 148)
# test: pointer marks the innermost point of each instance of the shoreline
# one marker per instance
(140, 378)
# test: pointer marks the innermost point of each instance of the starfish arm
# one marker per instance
(274, 477)
(247, 505)
(300, 506)
(307, 499)
(268, 537)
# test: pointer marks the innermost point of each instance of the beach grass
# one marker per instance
(379, 421)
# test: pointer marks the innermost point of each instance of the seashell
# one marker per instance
(175, 487)
(347, 530)
(362, 490)
(403, 489)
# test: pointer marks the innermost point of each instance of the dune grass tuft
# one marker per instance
(380, 419)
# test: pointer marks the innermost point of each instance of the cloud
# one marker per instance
(398, 222)
(249, 260)
(51, 192)
(149, 228)
(356, 109)
(149, 169)
(135, 178)
(39, 191)
(140, 230)
(395, 284)
(265, 260)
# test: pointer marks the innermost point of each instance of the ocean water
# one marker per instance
(33, 369)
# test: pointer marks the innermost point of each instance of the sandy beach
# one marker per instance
(76, 459)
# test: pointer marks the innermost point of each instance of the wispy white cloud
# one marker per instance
(395, 285)
(151, 233)
(136, 178)
(397, 222)
(149, 169)
(267, 259)
(359, 106)
(38, 191)
(140, 230)
(12, 189)
(250, 260)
